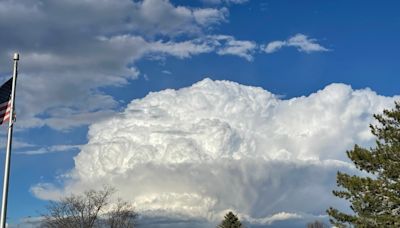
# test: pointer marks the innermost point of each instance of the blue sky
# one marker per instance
(82, 64)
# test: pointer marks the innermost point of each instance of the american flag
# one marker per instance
(5, 101)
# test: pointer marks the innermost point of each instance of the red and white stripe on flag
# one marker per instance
(5, 109)
(5, 101)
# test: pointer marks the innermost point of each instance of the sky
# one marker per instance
(194, 108)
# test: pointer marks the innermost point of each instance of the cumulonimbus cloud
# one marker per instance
(218, 145)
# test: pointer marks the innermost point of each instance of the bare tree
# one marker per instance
(89, 210)
(122, 215)
(316, 224)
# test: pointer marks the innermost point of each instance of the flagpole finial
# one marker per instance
(16, 56)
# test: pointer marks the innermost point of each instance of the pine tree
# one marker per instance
(230, 221)
(375, 197)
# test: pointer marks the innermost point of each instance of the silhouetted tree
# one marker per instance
(374, 198)
(91, 209)
(316, 224)
(122, 215)
(230, 221)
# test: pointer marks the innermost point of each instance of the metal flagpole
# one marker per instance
(9, 141)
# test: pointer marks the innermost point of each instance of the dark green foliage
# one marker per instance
(230, 221)
(374, 198)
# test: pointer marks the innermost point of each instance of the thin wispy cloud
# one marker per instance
(166, 72)
(281, 216)
(299, 41)
(231, 46)
(49, 150)
(225, 1)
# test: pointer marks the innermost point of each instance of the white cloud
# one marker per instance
(274, 46)
(71, 48)
(17, 144)
(49, 149)
(299, 41)
(221, 44)
(72, 102)
(218, 145)
(166, 72)
(209, 16)
(66, 60)
(162, 17)
(241, 48)
(183, 49)
(281, 216)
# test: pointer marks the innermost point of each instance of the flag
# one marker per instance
(5, 101)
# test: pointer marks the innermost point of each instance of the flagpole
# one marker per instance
(9, 141)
